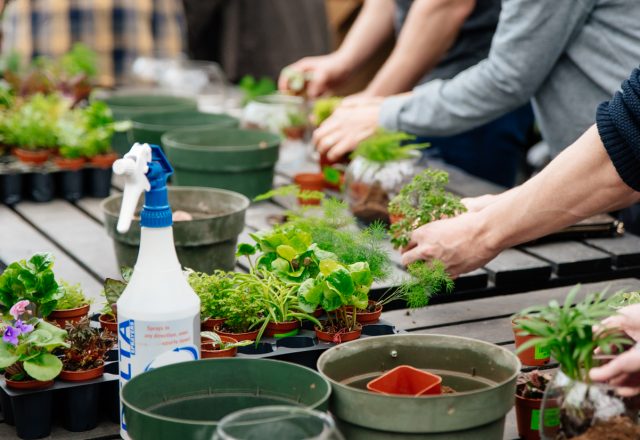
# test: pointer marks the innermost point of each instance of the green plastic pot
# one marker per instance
(149, 127)
(206, 243)
(186, 400)
(484, 376)
(126, 106)
(234, 159)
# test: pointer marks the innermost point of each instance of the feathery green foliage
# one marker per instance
(385, 146)
(323, 108)
(73, 297)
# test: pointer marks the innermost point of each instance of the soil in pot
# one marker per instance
(32, 157)
(616, 428)
(335, 335)
(244, 336)
(282, 328)
(533, 356)
(61, 317)
(371, 314)
(212, 323)
(108, 322)
(309, 182)
(209, 350)
(369, 202)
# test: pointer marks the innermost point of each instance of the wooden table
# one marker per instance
(84, 253)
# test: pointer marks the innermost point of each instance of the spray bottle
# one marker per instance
(158, 312)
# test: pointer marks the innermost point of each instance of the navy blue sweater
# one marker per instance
(618, 123)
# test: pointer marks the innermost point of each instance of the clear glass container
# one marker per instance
(281, 114)
(370, 186)
(574, 409)
(277, 422)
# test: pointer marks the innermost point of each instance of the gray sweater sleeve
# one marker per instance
(531, 36)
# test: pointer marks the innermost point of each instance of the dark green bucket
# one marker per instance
(149, 127)
(234, 159)
(186, 400)
(206, 243)
(125, 107)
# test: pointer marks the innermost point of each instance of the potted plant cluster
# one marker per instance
(573, 336)
(85, 356)
(381, 165)
(72, 306)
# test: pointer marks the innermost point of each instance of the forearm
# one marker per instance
(579, 183)
(373, 26)
(429, 31)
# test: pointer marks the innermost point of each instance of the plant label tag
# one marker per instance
(541, 353)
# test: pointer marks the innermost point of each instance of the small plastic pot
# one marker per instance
(338, 337)
(41, 186)
(80, 407)
(282, 328)
(33, 414)
(295, 133)
(309, 182)
(108, 322)
(533, 356)
(11, 188)
(247, 336)
(28, 384)
(212, 323)
(98, 175)
(364, 317)
(61, 317)
(71, 164)
(208, 350)
(406, 380)
(70, 185)
(81, 375)
(528, 417)
(32, 157)
(104, 160)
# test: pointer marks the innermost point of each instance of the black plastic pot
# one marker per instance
(11, 188)
(7, 408)
(32, 414)
(80, 407)
(41, 186)
(70, 184)
(98, 181)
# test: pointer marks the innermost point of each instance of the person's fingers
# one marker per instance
(627, 362)
(317, 84)
(348, 143)
(408, 247)
(627, 391)
(414, 254)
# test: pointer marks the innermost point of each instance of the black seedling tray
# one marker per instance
(44, 183)
(76, 406)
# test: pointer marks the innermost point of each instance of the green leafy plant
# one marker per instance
(252, 87)
(85, 132)
(422, 201)
(80, 60)
(72, 298)
(622, 299)
(112, 290)
(219, 344)
(87, 349)
(241, 305)
(289, 191)
(212, 290)
(568, 332)
(32, 124)
(27, 343)
(323, 108)
(385, 146)
(31, 280)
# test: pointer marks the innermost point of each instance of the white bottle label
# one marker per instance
(145, 345)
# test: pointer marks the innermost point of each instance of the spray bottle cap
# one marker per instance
(145, 168)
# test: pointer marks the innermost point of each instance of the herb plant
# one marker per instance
(87, 348)
(72, 298)
(211, 289)
(85, 132)
(568, 332)
(385, 146)
(252, 87)
(32, 124)
(426, 279)
(532, 385)
(241, 305)
(323, 108)
(219, 344)
(422, 201)
(31, 280)
(27, 342)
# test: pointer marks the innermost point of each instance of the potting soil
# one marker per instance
(616, 428)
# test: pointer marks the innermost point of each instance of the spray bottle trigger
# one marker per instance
(134, 167)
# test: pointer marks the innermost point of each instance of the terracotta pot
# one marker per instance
(208, 349)
(528, 413)
(82, 375)
(358, 191)
(104, 160)
(406, 380)
(28, 384)
(108, 322)
(395, 218)
(364, 317)
(338, 337)
(325, 162)
(279, 328)
(61, 317)
(32, 157)
(294, 133)
(247, 336)
(212, 323)
(69, 164)
(533, 356)
(318, 312)
(309, 182)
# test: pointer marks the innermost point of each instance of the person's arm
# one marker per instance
(373, 26)
(531, 36)
(429, 31)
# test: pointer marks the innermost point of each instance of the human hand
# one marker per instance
(623, 372)
(456, 241)
(475, 204)
(349, 124)
(323, 73)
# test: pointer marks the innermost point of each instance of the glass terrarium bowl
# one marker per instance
(281, 114)
(371, 185)
(574, 409)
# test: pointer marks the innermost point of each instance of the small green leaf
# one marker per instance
(287, 252)
(245, 249)
(43, 367)
(328, 266)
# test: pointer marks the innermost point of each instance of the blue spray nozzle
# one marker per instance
(145, 168)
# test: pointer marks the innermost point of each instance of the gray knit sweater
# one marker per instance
(565, 55)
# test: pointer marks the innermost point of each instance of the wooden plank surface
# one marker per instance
(625, 250)
(569, 258)
(512, 266)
